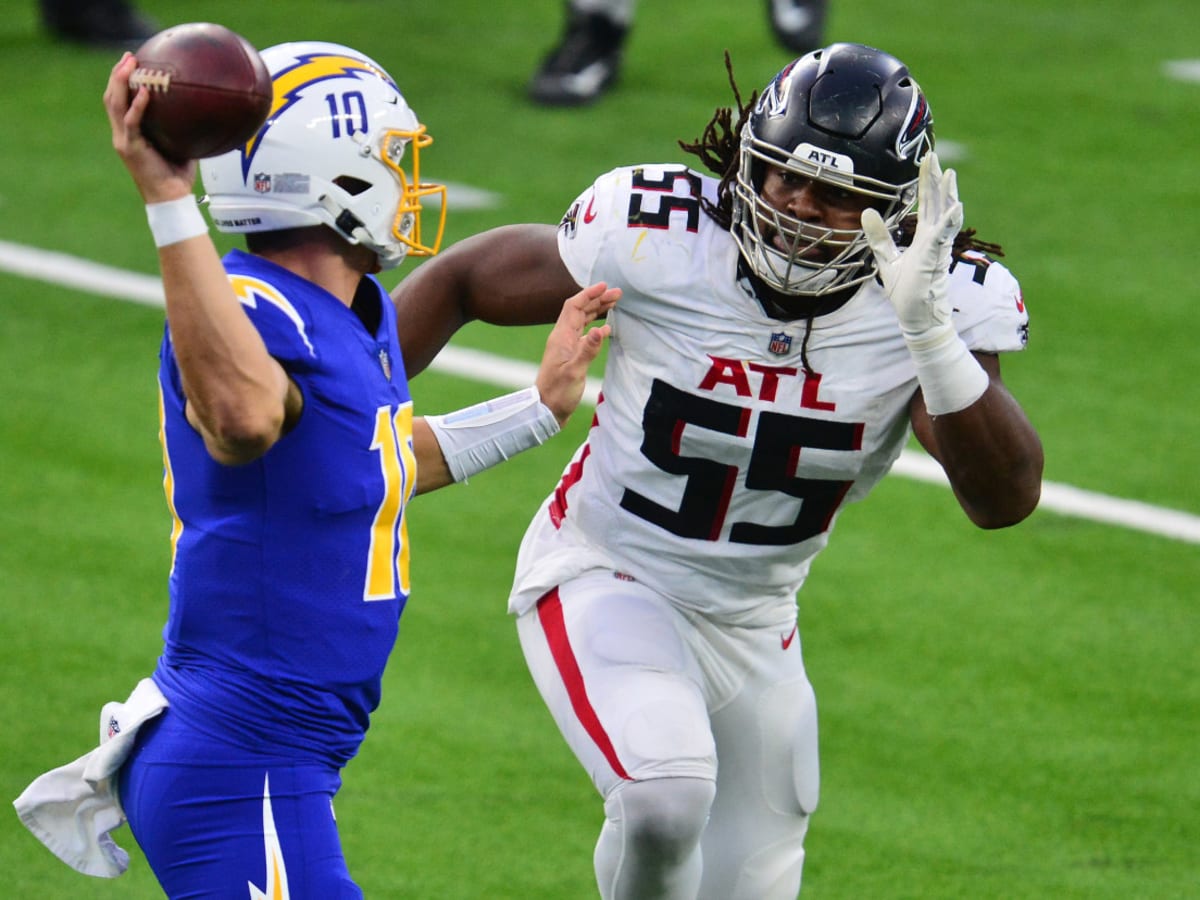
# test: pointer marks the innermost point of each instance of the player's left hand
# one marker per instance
(916, 280)
(571, 348)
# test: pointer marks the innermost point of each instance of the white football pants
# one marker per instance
(701, 738)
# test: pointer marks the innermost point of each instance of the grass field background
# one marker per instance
(1004, 715)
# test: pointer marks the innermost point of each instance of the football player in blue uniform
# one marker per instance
(290, 453)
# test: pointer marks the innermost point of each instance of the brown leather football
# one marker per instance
(209, 90)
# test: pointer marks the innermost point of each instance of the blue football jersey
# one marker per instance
(289, 573)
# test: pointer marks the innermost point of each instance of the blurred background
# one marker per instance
(1009, 714)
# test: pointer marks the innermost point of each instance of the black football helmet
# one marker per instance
(846, 115)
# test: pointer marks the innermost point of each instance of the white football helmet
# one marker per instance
(329, 154)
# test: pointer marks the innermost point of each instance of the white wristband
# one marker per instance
(175, 220)
(480, 436)
(951, 378)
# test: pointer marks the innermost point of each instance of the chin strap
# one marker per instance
(347, 223)
(351, 227)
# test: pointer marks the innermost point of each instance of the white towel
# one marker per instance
(73, 808)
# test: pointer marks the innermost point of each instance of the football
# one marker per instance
(209, 90)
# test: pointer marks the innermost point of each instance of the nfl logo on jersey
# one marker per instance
(781, 343)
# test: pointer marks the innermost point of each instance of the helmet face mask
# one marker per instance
(407, 226)
(331, 152)
(850, 119)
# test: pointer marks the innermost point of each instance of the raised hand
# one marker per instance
(571, 348)
(916, 280)
(157, 178)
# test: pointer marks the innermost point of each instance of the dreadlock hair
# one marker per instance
(717, 147)
(963, 241)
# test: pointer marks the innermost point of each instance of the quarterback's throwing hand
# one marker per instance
(915, 281)
(157, 178)
(571, 348)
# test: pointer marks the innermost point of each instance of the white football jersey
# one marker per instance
(716, 467)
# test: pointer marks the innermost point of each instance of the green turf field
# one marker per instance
(1004, 715)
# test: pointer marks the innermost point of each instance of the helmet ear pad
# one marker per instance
(330, 153)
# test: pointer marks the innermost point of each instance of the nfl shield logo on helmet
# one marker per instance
(781, 343)
(262, 183)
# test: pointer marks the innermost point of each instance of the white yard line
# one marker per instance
(1182, 69)
(106, 281)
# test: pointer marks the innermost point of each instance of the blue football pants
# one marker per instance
(218, 821)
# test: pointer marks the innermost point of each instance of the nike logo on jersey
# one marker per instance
(589, 214)
(785, 640)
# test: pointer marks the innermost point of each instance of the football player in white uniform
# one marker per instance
(772, 352)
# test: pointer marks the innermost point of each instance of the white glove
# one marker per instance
(916, 282)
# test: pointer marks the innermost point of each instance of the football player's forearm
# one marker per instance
(432, 470)
(992, 457)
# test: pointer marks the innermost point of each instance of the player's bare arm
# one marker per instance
(570, 348)
(507, 276)
(990, 451)
(239, 397)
